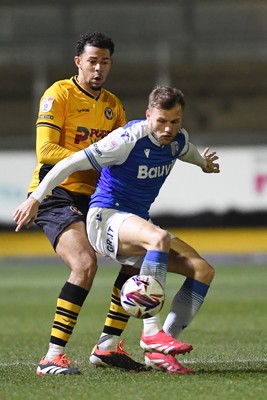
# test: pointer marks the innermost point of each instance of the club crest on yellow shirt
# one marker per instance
(108, 113)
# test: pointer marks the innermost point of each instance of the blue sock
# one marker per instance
(185, 305)
(155, 264)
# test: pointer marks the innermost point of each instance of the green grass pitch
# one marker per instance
(228, 335)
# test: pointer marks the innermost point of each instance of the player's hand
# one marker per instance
(26, 213)
(211, 166)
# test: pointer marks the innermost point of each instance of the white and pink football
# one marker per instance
(142, 296)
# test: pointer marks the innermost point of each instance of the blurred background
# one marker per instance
(214, 51)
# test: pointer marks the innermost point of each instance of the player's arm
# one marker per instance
(51, 118)
(48, 149)
(27, 211)
(206, 160)
(108, 151)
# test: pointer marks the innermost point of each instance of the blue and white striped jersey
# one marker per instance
(133, 167)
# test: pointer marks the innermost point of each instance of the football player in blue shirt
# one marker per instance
(134, 162)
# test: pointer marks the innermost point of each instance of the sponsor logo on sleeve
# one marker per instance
(46, 104)
(107, 144)
(45, 116)
(96, 148)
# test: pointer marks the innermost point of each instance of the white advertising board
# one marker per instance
(16, 171)
(241, 185)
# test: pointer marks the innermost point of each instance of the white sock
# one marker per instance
(152, 325)
(108, 342)
(185, 305)
(54, 350)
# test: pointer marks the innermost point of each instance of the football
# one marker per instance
(142, 296)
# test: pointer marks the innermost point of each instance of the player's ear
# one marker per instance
(147, 113)
(77, 60)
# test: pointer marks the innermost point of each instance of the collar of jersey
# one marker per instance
(75, 80)
(153, 140)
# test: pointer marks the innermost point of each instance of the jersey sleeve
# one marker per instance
(48, 150)
(111, 150)
(190, 153)
(185, 149)
(51, 118)
(52, 107)
(77, 162)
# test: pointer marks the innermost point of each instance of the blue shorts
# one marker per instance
(59, 210)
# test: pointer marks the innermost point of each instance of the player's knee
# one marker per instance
(83, 265)
(88, 264)
(83, 271)
(205, 272)
(160, 240)
(210, 273)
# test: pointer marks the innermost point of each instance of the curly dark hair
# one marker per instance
(96, 39)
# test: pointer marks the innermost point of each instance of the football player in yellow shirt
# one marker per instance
(73, 114)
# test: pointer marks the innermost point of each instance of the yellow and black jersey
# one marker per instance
(69, 120)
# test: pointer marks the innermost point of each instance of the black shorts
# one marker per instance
(58, 211)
